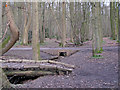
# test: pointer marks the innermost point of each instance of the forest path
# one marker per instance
(67, 48)
(89, 72)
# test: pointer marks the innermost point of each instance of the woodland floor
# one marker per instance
(89, 72)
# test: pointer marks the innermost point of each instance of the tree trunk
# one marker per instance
(35, 33)
(119, 23)
(0, 20)
(50, 20)
(40, 24)
(112, 11)
(96, 28)
(116, 21)
(27, 24)
(83, 27)
(100, 27)
(7, 44)
(93, 29)
(71, 20)
(43, 15)
(63, 24)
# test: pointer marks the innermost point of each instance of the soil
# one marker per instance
(89, 72)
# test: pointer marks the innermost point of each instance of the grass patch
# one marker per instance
(118, 41)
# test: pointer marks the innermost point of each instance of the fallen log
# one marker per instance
(52, 68)
(28, 73)
(37, 67)
(33, 61)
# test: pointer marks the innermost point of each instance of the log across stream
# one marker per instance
(31, 69)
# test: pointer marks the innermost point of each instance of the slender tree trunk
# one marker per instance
(43, 21)
(83, 27)
(100, 27)
(50, 20)
(93, 29)
(112, 11)
(87, 33)
(27, 24)
(58, 25)
(35, 33)
(59, 31)
(0, 20)
(97, 30)
(116, 21)
(40, 24)
(63, 24)
(119, 23)
(71, 20)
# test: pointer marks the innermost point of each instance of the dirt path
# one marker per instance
(89, 72)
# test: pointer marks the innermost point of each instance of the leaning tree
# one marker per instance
(8, 43)
(14, 36)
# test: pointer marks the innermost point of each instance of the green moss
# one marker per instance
(97, 56)
(4, 42)
(101, 49)
(98, 51)
(118, 41)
